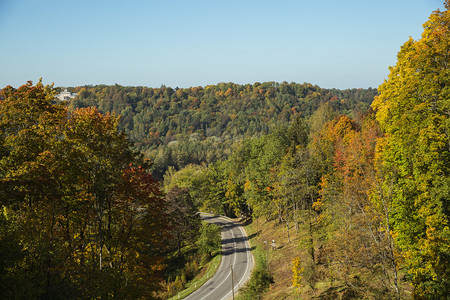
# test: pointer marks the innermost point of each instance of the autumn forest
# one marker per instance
(99, 193)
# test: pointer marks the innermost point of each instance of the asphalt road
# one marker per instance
(235, 253)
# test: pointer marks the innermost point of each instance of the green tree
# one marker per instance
(184, 221)
(214, 189)
(84, 222)
(413, 111)
(209, 240)
(298, 133)
(31, 128)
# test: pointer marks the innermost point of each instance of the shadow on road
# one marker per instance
(252, 235)
(231, 250)
(232, 240)
(229, 226)
(207, 217)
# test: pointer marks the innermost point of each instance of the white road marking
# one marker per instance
(248, 263)
(234, 262)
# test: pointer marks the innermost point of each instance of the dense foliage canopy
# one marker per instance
(177, 127)
(413, 111)
(80, 218)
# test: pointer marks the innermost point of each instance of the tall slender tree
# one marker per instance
(413, 109)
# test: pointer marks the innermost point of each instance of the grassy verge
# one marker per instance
(203, 264)
(208, 270)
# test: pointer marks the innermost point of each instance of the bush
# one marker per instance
(209, 240)
(259, 282)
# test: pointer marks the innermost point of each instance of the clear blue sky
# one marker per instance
(341, 44)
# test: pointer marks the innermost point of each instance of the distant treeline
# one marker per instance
(202, 123)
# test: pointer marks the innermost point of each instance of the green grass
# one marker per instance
(206, 271)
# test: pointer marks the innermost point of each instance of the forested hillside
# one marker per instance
(202, 123)
(366, 195)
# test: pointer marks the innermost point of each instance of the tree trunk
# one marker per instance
(101, 243)
(391, 252)
(311, 240)
(287, 227)
(295, 217)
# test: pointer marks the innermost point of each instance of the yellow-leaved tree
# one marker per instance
(297, 270)
(413, 109)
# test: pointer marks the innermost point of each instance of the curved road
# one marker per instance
(236, 253)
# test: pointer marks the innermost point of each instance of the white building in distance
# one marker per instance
(64, 96)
